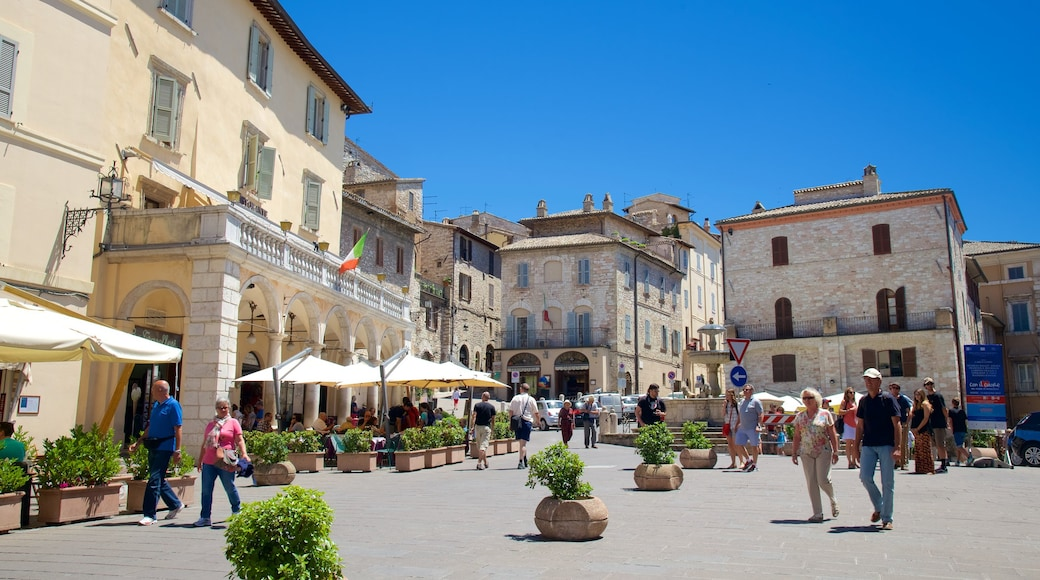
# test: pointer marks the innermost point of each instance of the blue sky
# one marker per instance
(721, 104)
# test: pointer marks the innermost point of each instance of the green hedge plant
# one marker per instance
(451, 433)
(412, 439)
(693, 436)
(12, 476)
(560, 470)
(500, 428)
(266, 448)
(287, 536)
(80, 458)
(654, 444)
(357, 441)
(309, 441)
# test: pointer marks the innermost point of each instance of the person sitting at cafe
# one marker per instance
(371, 422)
(321, 424)
(296, 424)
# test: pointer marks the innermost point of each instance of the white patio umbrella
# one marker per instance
(791, 404)
(837, 398)
(766, 396)
(309, 369)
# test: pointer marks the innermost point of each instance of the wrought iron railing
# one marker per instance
(559, 338)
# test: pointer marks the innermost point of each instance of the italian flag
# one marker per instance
(354, 256)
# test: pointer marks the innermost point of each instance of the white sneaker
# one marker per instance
(203, 523)
(146, 521)
(173, 513)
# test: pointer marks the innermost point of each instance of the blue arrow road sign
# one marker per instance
(738, 375)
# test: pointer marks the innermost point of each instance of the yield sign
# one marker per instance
(738, 347)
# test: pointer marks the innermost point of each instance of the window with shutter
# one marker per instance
(311, 204)
(261, 59)
(647, 338)
(521, 275)
(780, 251)
(784, 368)
(8, 56)
(400, 260)
(584, 270)
(379, 251)
(265, 173)
(250, 160)
(664, 338)
(317, 114)
(165, 95)
(179, 9)
(784, 319)
(869, 358)
(628, 328)
(882, 241)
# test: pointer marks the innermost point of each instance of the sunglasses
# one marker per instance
(808, 398)
(221, 408)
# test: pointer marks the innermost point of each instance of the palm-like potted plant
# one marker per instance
(571, 512)
(12, 481)
(454, 438)
(287, 536)
(699, 452)
(269, 453)
(357, 451)
(306, 450)
(75, 476)
(657, 472)
(179, 477)
(412, 455)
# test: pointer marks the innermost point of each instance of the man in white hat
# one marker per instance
(878, 434)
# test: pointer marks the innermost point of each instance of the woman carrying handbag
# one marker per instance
(223, 437)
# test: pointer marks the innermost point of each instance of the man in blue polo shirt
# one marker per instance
(878, 434)
(162, 437)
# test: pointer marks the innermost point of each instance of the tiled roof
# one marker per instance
(834, 204)
(565, 241)
(832, 186)
(979, 248)
(568, 213)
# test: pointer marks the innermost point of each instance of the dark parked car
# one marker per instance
(1024, 442)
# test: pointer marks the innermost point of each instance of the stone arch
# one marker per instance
(310, 307)
(126, 307)
(262, 285)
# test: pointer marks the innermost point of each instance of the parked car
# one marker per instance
(606, 402)
(1024, 441)
(549, 413)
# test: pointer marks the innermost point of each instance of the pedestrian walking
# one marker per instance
(729, 430)
(566, 423)
(940, 423)
(816, 444)
(455, 400)
(847, 412)
(223, 432)
(905, 407)
(162, 438)
(749, 413)
(959, 425)
(921, 421)
(524, 407)
(878, 434)
(480, 422)
(590, 421)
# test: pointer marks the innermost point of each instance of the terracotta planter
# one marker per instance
(501, 446)
(787, 449)
(698, 458)
(436, 457)
(410, 460)
(72, 504)
(308, 461)
(347, 462)
(655, 477)
(571, 520)
(183, 486)
(456, 453)
(11, 511)
(474, 450)
(514, 446)
(281, 473)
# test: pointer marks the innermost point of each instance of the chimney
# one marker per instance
(871, 183)
(759, 208)
(542, 209)
(608, 203)
(707, 225)
(474, 221)
(587, 204)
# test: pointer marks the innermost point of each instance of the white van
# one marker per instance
(549, 413)
(606, 401)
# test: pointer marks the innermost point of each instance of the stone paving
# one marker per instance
(456, 522)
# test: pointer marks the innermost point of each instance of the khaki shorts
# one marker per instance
(483, 435)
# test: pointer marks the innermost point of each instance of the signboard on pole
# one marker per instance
(738, 347)
(984, 393)
(738, 376)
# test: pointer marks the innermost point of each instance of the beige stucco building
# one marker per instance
(227, 132)
(847, 278)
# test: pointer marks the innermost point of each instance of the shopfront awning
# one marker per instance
(525, 369)
(572, 367)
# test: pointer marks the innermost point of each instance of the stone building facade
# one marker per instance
(847, 278)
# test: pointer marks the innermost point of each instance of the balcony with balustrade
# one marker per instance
(561, 338)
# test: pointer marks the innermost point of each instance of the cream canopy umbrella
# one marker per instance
(309, 369)
(791, 404)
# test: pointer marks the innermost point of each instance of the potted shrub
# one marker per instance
(357, 451)
(501, 434)
(433, 442)
(269, 454)
(788, 448)
(75, 476)
(179, 476)
(699, 452)
(571, 513)
(657, 472)
(12, 479)
(287, 536)
(454, 437)
(306, 450)
(412, 455)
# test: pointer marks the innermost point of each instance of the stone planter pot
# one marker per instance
(281, 473)
(347, 462)
(73, 504)
(183, 486)
(313, 462)
(436, 457)
(501, 446)
(514, 446)
(474, 450)
(456, 453)
(698, 458)
(787, 449)
(571, 520)
(11, 511)
(410, 460)
(657, 477)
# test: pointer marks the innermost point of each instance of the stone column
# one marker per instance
(274, 356)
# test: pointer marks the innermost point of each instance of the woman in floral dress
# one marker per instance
(816, 443)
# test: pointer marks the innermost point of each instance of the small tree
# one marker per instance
(287, 536)
(693, 436)
(654, 444)
(560, 470)
(12, 476)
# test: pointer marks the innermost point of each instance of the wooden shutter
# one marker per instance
(901, 308)
(882, 239)
(379, 251)
(265, 173)
(780, 251)
(400, 260)
(882, 310)
(910, 362)
(164, 109)
(784, 368)
(784, 321)
(8, 52)
(312, 205)
(254, 54)
(869, 358)
(325, 121)
(511, 341)
(529, 339)
(310, 111)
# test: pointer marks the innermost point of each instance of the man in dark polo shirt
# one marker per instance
(878, 434)
(940, 422)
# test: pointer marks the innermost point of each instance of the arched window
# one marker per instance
(489, 358)
(464, 356)
(784, 320)
(891, 309)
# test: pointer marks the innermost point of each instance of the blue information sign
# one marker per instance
(984, 392)
(738, 376)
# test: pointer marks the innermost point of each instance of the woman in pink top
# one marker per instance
(847, 411)
(816, 442)
(225, 432)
